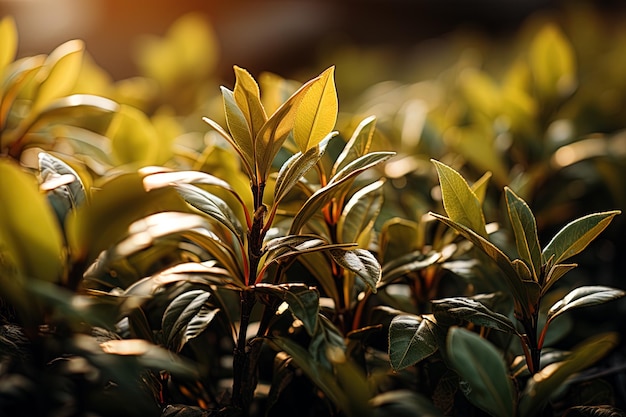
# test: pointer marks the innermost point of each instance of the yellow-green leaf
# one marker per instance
(459, 200)
(317, 113)
(59, 74)
(248, 99)
(8, 41)
(552, 63)
(525, 231)
(30, 235)
(133, 137)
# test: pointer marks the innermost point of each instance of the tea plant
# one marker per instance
(527, 280)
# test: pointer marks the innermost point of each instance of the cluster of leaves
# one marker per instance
(262, 267)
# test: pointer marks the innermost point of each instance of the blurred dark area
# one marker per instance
(279, 36)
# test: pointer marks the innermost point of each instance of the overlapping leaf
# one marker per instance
(525, 231)
(473, 311)
(360, 212)
(303, 301)
(411, 339)
(360, 261)
(583, 297)
(486, 379)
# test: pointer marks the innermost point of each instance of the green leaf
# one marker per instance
(238, 127)
(133, 137)
(8, 41)
(119, 201)
(274, 132)
(360, 261)
(473, 311)
(459, 201)
(59, 73)
(186, 317)
(246, 158)
(411, 340)
(525, 231)
(405, 264)
(248, 99)
(551, 378)
(524, 292)
(552, 63)
(303, 301)
(30, 237)
(212, 206)
(65, 189)
(554, 274)
(280, 247)
(403, 403)
(295, 167)
(320, 268)
(399, 237)
(479, 187)
(486, 380)
(327, 343)
(358, 145)
(339, 183)
(360, 212)
(583, 297)
(317, 112)
(321, 376)
(575, 236)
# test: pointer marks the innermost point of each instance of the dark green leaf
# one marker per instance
(338, 184)
(295, 167)
(358, 145)
(575, 236)
(360, 212)
(551, 378)
(303, 301)
(459, 201)
(212, 206)
(486, 380)
(522, 291)
(554, 274)
(321, 376)
(411, 340)
(327, 343)
(473, 311)
(403, 265)
(525, 231)
(403, 403)
(361, 262)
(583, 297)
(398, 238)
(181, 312)
(238, 127)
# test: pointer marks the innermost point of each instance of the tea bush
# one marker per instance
(166, 250)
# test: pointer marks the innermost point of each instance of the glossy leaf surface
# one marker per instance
(486, 379)
(411, 339)
(525, 231)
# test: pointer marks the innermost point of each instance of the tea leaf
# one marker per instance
(337, 185)
(575, 236)
(360, 212)
(30, 236)
(8, 41)
(402, 265)
(358, 145)
(361, 262)
(554, 274)
(303, 301)
(583, 297)
(248, 100)
(552, 63)
(473, 311)
(295, 167)
(525, 231)
(59, 73)
(212, 206)
(517, 286)
(237, 123)
(486, 380)
(133, 137)
(246, 159)
(479, 187)
(67, 196)
(317, 112)
(186, 317)
(411, 340)
(274, 132)
(459, 201)
(551, 378)
(399, 237)
(321, 376)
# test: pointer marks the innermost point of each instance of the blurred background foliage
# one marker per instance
(533, 92)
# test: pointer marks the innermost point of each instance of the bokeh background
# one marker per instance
(277, 35)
